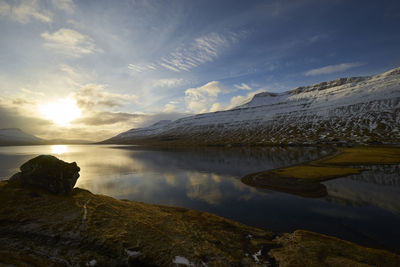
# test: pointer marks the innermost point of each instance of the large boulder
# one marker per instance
(49, 173)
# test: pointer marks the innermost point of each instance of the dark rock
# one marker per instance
(47, 172)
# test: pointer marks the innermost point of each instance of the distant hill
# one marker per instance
(354, 110)
(15, 136)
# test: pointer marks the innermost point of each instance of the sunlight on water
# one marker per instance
(59, 149)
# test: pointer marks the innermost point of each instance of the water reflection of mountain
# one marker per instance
(233, 161)
(379, 187)
(380, 174)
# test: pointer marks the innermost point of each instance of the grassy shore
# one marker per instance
(339, 164)
(304, 179)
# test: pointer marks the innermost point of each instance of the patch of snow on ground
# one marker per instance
(182, 260)
(256, 255)
(92, 263)
(133, 253)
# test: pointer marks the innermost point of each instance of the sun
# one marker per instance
(61, 112)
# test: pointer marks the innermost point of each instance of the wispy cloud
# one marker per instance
(138, 68)
(201, 50)
(30, 92)
(167, 82)
(71, 42)
(332, 69)
(242, 86)
(67, 5)
(24, 12)
(200, 99)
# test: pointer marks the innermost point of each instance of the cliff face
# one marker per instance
(348, 110)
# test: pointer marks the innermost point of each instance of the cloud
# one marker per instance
(201, 50)
(198, 99)
(76, 77)
(98, 121)
(67, 5)
(167, 82)
(242, 86)
(242, 99)
(93, 96)
(201, 107)
(317, 38)
(332, 69)
(19, 113)
(5, 9)
(216, 107)
(168, 108)
(24, 12)
(70, 42)
(108, 118)
(139, 68)
(32, 93)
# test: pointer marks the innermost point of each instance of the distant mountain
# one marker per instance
(15, 136)
(355, 110)
(151, 130)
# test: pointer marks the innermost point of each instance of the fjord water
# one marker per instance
(363, 208)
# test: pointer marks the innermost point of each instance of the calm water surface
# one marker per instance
(363, 208)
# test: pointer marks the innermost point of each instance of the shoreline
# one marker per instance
(304, 179)
(84, 228)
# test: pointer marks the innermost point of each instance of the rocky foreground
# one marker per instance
(39, 227)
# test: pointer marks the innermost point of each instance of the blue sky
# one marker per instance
(130, 63)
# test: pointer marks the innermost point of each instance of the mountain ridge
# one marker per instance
(354, 110)
(16, 136)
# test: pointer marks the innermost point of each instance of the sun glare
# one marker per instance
(59, 149)
(61, 112)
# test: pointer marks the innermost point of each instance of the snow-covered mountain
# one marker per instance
(346, 110)
(15, 136)
(151, 130)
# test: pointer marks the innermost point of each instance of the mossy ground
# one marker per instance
(77, 229)
(304, 248)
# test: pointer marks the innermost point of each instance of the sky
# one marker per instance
(91, 69)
